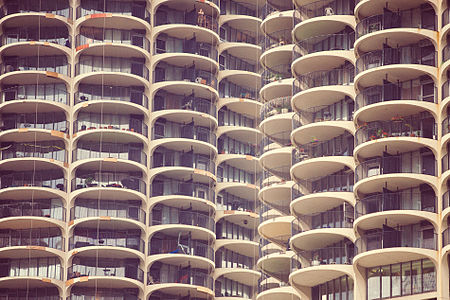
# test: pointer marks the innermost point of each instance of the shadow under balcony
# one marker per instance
(130, 8)
(91, 121)
(88, 64)
(44, 33)
(51, 63)
(52, 92)
(52, 150)
(163, 129)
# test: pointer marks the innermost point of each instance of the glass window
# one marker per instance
(373, 283)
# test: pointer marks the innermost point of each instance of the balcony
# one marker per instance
(419, 89)
(44, 293)
(168, 187)
(390, 238)
(186, 103)
(410, 18)
(57, 64)
(276, 73)
(47, 121)
(99, 293)
(232, 7)
(110, 180)
(228, 145)
(42, 179)
(276, 39)
(115, 268)
(171, 245)
(170, 158)
(410, 162)
(231, 62)
(94, 7)
(163, 273)
(85, 208)
(186, 74)
(164, 130)
(233, 35)
(324, 78)
(181, 217)
(92, 92)
(228, 89)
(338, 253)
(42, 237)
(88, 64)
(84, 237)
(44, 34)
(53, 150)
(170, 16)
(326, 42)
(324, 8)
(92, 121)
(281, 105)
(43, 92)
(170, 44)
(98, 150)
(36, 267)
(59, 8)
(98, 35)
(47, 208)
(410, 126)
(424, 55)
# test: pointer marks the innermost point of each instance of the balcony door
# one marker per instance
(390, 19)
(391, 200)
(390, 163)
(391, 237)
(187, 159)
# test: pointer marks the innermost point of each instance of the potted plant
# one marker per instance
(89, 181)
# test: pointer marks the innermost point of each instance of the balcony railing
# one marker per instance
(43, 180)
(232, 35)
(126, 271)
(189, 103)
(177, 45)
(403, 200)
(390, 56)
(186, 218)
(34, 150)
(48, 6)
(136, 97)
(111, 64)
(117, 151)
(281, 105)
(182, 188)
(127, 9)
(446, 237)
(327, 42)
(324, 8)
(188, 18)
(324, 78)
(186, 132)
(329, 255)
(331, 183)
(53, 271)
(79, 241)
(266, 10)
(398, 127)
(187, 74)
(446, 200)
(394, 164)
(275, 39)
(278, 72)
(51, 35)
(15, 239)
(237, 8)
(82, 125)
(334, 147)
(48, 92)
(406, 90)
(125, 37)
(33, 209)
(170, 246)
(116, 210)
(394, 238)
(187, 160)
(56, 64)
(232, 90)
(182, 276)
(115, 180)
(410, 18)
(31, 121)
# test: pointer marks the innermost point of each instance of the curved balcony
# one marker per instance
(323, 8)
(92, 64)
(410, 18)
(323, 78)
(116, 122)
(127, 9)
(106, 238)
(186, 74)
(53, 64)
(41, 179)
(45, 34)
(38, 208)
(110, 37)
(275, 39)
(53, 150)
(43, 92)
(45, 121)
(277, 106)
(169, 15)
(96, 150)
(184, 131)
(108, 180)
(195, 45)
(99, 293)
(130, 271)
(170, 158)
(43, 293)
(326, 42)
(413, 90)
(20, 268)
(126, 94)
(186, 218)
(336, 254)
(185, 103)
(446, 237)
(41, 237)
(398, 127)
(446, 126)
(276, 73)
(170, 245)
(112, 209)
(402, 55)
(182, 188)
(179, 275)
(59, 8)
